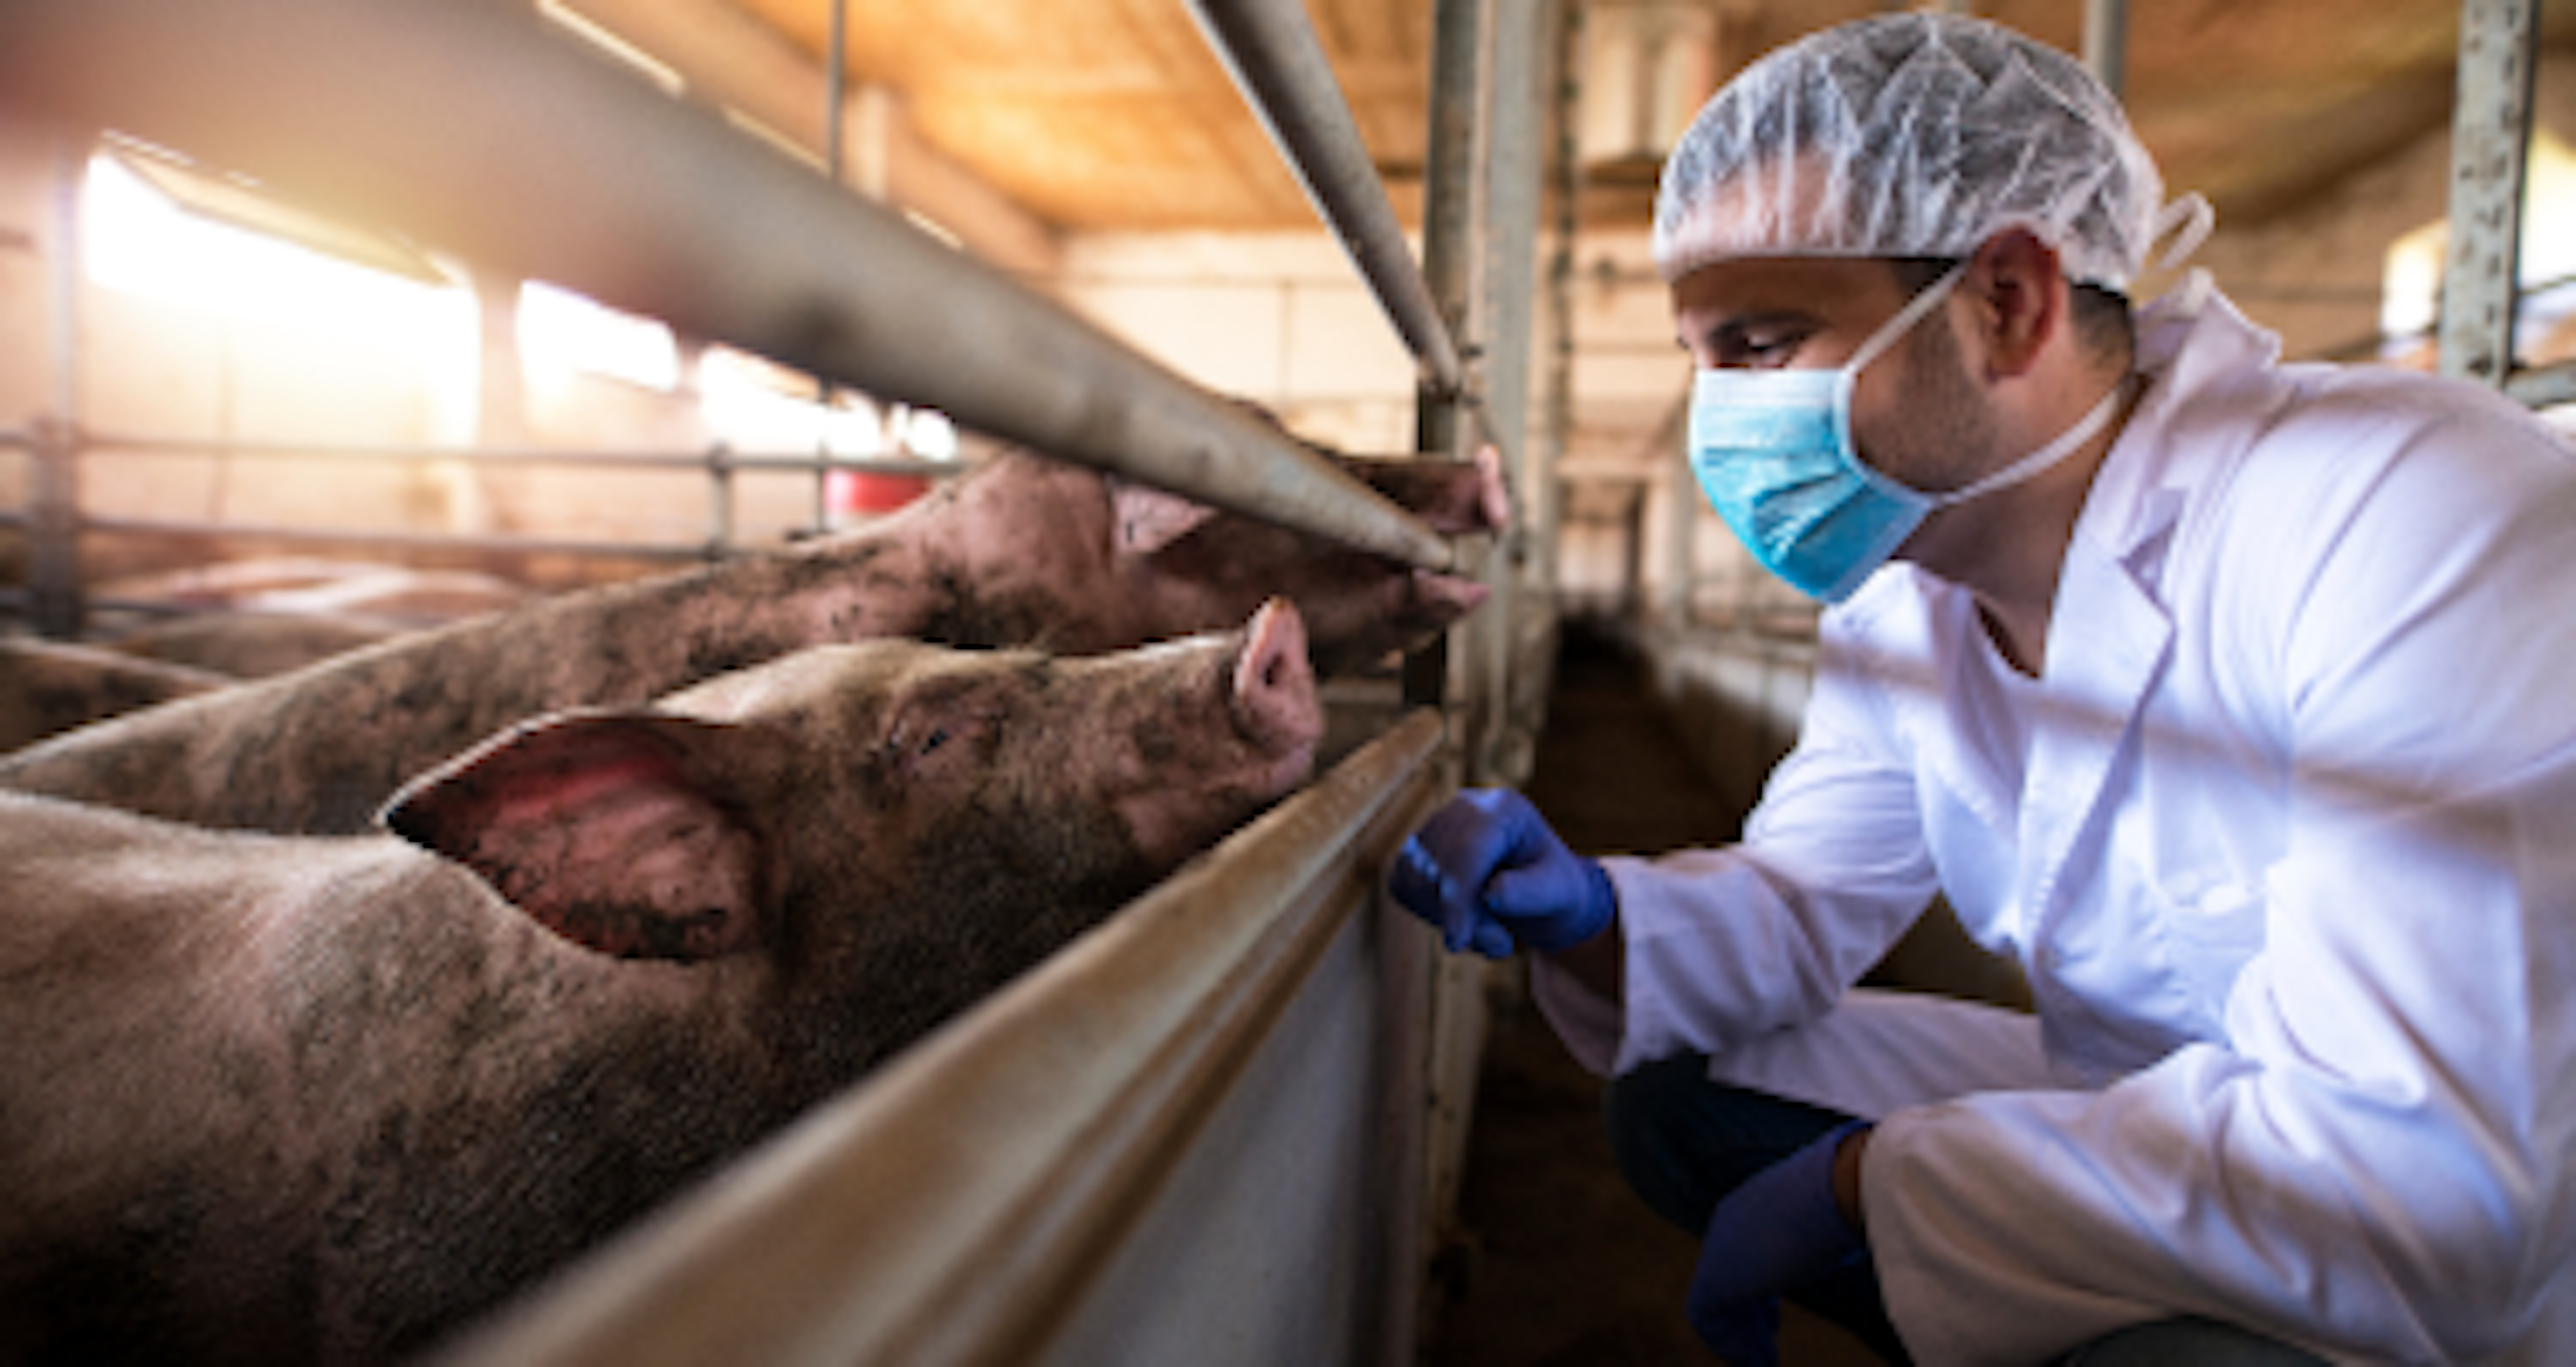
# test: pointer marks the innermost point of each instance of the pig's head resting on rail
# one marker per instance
(1033, 550)
(1362, 607)
(330, 1097)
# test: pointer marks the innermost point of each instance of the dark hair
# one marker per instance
(2102, 320)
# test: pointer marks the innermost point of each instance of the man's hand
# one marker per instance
(1489, 873)
(1781, 1230)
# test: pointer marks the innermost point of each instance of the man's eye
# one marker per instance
(1767, 352)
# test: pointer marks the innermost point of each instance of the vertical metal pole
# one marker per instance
(1448, 220)
(1680, 567)
(2106, 43)
(719, 501)
(2490, 142)
(1543, 493)
(1514, 100)
(53, 533)
(1418, 983)
(835, 110)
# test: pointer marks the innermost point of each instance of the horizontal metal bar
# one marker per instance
(948, 1210)
(1271, 49)
(566, 167)
(636, 550)
(700, 461)
(2544, 386)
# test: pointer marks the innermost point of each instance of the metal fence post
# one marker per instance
(2490, 141)
(53, 494)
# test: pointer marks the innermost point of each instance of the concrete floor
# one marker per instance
(1558, 1264)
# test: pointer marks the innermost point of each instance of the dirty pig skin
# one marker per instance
(1025, 551)
(273, 1099)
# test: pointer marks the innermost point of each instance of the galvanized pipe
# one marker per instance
(952, 1210)
(53, 477)
(2490, 147)
(1441, 419)
(471, 125)
(2106, 43)
(426, 541)
(1281, 68)
(2544, 386)
(1514, 154)
(114, 443)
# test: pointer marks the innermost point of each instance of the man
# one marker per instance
(2235, 700)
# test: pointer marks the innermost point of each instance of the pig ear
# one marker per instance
(597, 825)
(1148, 519)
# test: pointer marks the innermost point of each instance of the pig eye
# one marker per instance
(938, 737)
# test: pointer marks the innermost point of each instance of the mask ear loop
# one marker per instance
(1894, 329)
(2189, 221)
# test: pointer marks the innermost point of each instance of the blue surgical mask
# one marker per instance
(1773, 453)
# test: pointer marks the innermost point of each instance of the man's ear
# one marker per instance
(600, 826)
(2020, 296)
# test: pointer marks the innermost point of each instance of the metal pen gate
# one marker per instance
(1225, 1127)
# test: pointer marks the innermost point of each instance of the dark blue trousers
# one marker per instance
(1684, 1141)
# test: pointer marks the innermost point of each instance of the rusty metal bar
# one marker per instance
(2490, 147)
(565, 167)
(953, 1209)
(1281, 68)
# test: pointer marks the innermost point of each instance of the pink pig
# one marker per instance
(286, 1099)
(1025, 551)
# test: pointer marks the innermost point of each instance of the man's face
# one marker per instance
(1917, 415)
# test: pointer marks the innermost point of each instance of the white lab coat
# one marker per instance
(2291, 868)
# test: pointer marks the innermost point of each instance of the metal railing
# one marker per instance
(719, 463)
(1283, 72)
(714, 233)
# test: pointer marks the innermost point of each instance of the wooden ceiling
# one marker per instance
(1115, 114)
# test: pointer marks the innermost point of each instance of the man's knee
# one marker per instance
(1684, 1140)
(1648, 1111)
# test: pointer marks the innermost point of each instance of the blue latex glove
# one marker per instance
(1489, 873)
(1779, 1231)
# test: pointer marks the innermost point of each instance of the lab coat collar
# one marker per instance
(2198, 355)
(2110, 634)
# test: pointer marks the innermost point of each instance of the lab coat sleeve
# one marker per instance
(2375, 1160)
(1727, 945)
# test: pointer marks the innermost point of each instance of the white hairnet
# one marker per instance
(1910, 135)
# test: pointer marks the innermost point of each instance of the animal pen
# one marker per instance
(1228, 1125)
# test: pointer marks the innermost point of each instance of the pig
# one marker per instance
(1024, 551)
(47, 687)
(252, 645)
(284, 1099)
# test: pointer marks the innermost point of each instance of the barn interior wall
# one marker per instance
(153, 365)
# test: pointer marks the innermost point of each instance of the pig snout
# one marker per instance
(1250, 742)
(1274, 703)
